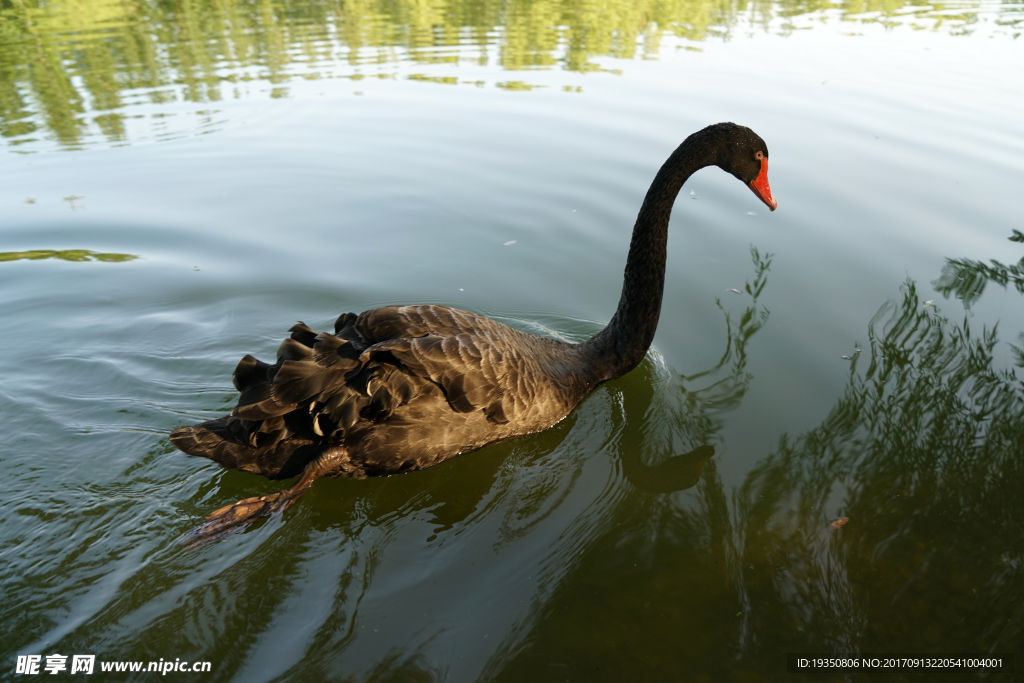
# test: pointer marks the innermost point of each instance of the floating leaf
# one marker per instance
(836, 523)
(65, 255)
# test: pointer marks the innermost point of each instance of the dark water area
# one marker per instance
(822, 453)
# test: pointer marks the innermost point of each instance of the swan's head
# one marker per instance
(743, 153)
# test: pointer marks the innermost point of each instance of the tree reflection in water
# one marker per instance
(83, 71)
(924, 452)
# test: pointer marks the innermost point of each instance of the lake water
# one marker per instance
(181, 182)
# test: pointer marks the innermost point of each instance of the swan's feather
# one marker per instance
(268, 448)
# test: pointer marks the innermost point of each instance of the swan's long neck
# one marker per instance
(623, 343)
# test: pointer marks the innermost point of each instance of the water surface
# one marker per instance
(180, 182)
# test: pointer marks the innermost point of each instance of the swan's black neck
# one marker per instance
(623, 343)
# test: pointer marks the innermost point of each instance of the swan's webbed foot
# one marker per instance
(235, 517)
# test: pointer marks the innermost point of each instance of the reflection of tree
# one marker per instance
(924, 453)
(75, 63)
(966, 279)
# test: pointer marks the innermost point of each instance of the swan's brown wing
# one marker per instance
(409, 322)
(322, 385)
(472, 358)
(467, 367)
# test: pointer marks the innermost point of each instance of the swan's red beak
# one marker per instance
(760, 186)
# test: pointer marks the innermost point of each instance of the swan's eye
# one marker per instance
(759, 156)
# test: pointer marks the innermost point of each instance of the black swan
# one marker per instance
(401, 388)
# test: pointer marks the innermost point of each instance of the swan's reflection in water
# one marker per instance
(678, 473)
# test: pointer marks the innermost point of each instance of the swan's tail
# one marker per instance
(230, 442)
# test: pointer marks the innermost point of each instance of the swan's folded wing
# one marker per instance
(390, 322)
(410, 322)
(468, 368)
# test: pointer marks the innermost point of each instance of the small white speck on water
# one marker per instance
(574, 210)
(510, 243)
(928, 303)
(693, 194)
(461, 289)
(751, 213)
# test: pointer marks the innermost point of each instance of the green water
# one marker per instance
(181, 181)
